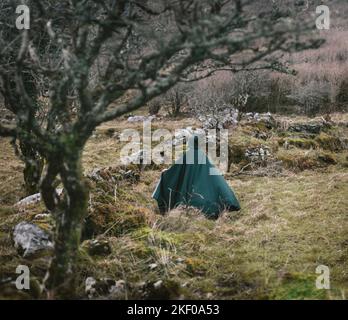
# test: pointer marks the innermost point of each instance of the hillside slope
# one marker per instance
(293, 219)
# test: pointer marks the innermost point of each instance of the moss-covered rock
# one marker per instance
(97, 247)
(302, 143)
(329, 142)
(113, 209)
(162, 289)
(314, 128)
(117, 219)
(298, 161)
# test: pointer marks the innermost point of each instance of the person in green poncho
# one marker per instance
(189, 182)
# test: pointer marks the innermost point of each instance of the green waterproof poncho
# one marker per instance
(190, 182)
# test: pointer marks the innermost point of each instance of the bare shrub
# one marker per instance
(257, 86)
(173, 101)
(176, 99)
(322, 74)
(342, 94)
(214, 101)
(279, 90)
(312, 96)
(154, 107)
(257, 91)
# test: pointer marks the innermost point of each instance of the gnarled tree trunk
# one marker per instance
(32, 172)
(69, 214)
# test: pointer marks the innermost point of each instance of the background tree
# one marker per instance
(173, 101)
(110, 58)
(8, 35)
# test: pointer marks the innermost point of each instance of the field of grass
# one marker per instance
(289, 224)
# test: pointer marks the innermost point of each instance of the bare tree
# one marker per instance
(105, 51)
(9, 47)
(173, 101)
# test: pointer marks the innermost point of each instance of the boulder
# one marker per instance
(90, 289)
(105, 287)
(30, 240)
(35, 198)
(129, 175)
(140, 118)
(257, 154)
(313, 128)
(118, 289)
(260, 135)
(161, 289)
(113, 174)
(265, 118)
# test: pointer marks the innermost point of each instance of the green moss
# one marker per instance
(300, 143)
(114, 220)
(158, 238)
(97, 247)
(238, 144)
(299, 160)
(263, 126)
(114, 210)
(46, 223)
(238, 256)
(298, 286)
(124, 222)
(329, 142)
(196, 266)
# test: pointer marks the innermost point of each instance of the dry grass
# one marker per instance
(288, 225)
(11, 187)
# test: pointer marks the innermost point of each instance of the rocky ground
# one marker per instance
(290, 176)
